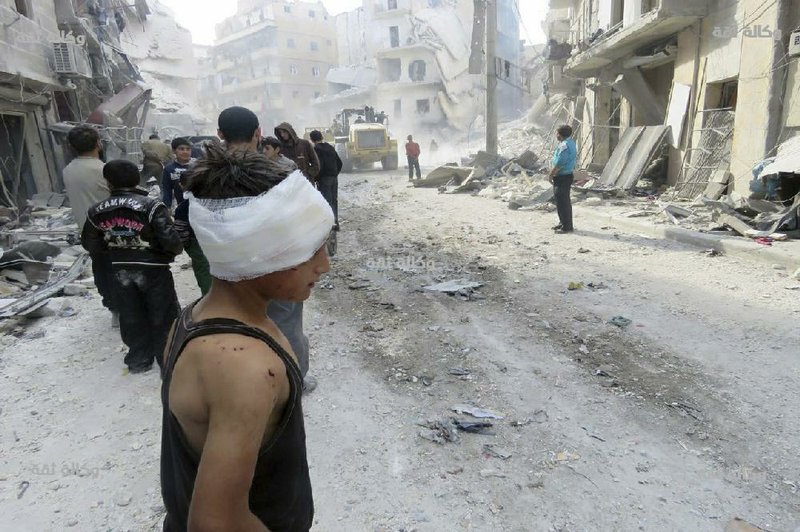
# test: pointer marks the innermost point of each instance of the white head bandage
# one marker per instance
(246, 238)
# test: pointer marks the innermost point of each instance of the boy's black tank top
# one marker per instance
(280, 495)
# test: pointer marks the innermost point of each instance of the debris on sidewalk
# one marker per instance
(476, 412)
(474, 427)
(575, 286)
(438, 431)
(459, 287)
(496, 452)
(620, 321)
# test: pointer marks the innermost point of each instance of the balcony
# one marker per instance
(670, 17)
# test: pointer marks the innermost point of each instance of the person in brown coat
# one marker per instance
(299, 150)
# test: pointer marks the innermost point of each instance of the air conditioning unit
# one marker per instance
(794, 44)
(71, 60)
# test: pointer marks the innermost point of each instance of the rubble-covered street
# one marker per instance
(681, 418)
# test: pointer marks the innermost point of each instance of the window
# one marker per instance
(315, 71)
(314, 46)
(312, 13)
(423, 106)
(394, 37)
(287, 9)
(290, 43)
(295, 94)
(417, 70)
(389, 70)
(391, 4)
(317, 95)
(329, 42)
(398, 108)
(293, 70)
(24, 8)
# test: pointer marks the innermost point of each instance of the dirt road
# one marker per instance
(682, 420)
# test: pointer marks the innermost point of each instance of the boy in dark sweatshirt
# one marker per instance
(171, 180)
(136, 233)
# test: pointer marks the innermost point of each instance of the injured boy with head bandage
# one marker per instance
(233, 440)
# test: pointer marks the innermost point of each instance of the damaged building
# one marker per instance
(61, 63)
(410, 59)
(709, 87)
(272, 56)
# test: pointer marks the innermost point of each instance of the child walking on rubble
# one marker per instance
(137, 234)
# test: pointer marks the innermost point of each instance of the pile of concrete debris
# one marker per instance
(480, 171)
(39, 260)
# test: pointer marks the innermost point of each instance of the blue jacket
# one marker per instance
(171, 182)
(565, 157)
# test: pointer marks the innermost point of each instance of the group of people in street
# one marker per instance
(254, 214)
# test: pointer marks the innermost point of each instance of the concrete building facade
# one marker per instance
(272, 56)
(715, 65)
(60, 62)
(416, 52)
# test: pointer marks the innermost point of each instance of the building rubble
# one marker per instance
(41, 265)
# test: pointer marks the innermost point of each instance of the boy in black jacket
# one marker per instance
(137, 234)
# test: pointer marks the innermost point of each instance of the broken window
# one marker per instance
(417, 70)
(315, 71)
(314, 46)
(391, 4)
(15, 163)
(293, 70)
(722, 95)
(423, 106)
(390, 70)
(24, 8)
(394, 37)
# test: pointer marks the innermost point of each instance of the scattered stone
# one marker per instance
(491, 473)
(496, 452)
(620, 321)
(779, 267)
(474, 411)
(123, 500)
(75, 289)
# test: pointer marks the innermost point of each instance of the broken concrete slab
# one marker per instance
(443, 176)
(734, 223)
(528, 160)
(48, 290)
(34, 250)
(476, 412)
(454, 287)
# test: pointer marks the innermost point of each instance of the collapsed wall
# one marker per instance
(163, 52)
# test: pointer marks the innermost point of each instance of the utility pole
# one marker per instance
(491, 77)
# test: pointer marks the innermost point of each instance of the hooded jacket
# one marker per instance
(329, 161)
(132, 229)
(300, 151)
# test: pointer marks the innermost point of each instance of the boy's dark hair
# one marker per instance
(83, 139)
(565, 131)
(316, 136)
(121, 174)
(237, 124)
(271, 141)
(154, 136)
(226, 174)
(180, 141)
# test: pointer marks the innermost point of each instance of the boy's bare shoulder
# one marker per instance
(232, 360)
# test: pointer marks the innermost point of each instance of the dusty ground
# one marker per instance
(682, 421)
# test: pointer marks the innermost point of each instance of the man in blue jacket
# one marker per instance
(561, 176)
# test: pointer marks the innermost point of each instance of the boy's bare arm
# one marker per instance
(241, 380)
